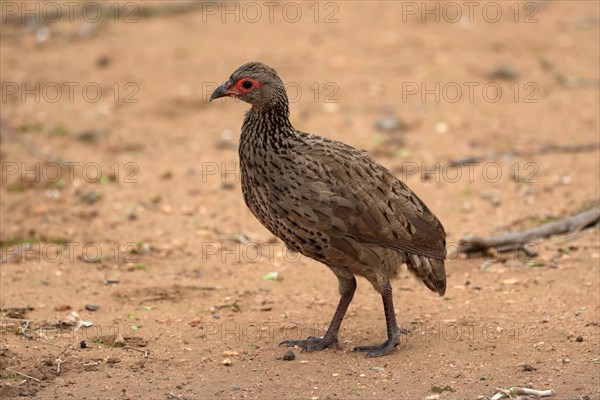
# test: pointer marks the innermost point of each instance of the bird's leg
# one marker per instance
(330, 339)
(393, 331)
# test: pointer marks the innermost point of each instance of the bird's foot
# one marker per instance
(382, 349)
(312, 343)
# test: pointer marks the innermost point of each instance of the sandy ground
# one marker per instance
(124, 181)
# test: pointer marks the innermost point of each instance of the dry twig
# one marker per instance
(509, 155)
(22, 374)
(519, 240)
(519, 391)
(19, 250)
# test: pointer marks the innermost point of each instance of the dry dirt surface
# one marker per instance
(131, 268)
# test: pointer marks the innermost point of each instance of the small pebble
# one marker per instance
(103, 61)
(113, 360)
(506, 72)
(391, 123)
(528, 367)
(90, 197)
(226, 362)
(83, 344)
(579, 338)
(289, 356)
(92, 307)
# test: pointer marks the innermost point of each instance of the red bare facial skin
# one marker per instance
(230, 89)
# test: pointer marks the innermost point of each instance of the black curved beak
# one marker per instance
(223, 91)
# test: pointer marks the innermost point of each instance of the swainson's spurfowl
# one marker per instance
(332, 203)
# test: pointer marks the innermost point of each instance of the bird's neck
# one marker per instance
(268, 126)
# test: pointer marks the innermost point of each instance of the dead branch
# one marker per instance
(519, 391)
(19, 250)
(519, 240)
(512, 154)
(22, 374)
(38, 152)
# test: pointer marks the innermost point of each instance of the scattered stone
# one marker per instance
(103, 61)
(92, 307)
(83, 344)
(492, 198)
(166, 175)
(391, 123)
(528, 368)
(289, 356)
(90, 197)
(230, 353)
(549, 348)
(506, 72)
(91, 135)
(62, 307)
(227, 362)
(380, 369)
(113, 360)
(579, 338)
(226, 141)
(441, 127)
(433, 397)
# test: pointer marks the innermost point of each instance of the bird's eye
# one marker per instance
(247, 84)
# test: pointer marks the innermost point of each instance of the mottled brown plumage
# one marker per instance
(331, 202)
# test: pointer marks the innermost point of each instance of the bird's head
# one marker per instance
(256, 84)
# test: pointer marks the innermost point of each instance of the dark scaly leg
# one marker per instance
(393, 331)
(330, 339)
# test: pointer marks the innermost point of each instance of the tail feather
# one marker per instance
(429, 270)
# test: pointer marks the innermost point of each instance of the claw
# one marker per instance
(312, 343)
(382, 349)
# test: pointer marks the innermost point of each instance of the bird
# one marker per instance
(332, 203)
